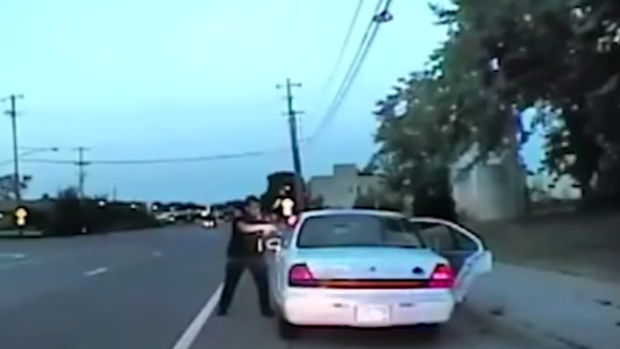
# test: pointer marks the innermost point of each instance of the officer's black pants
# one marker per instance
(234, 269)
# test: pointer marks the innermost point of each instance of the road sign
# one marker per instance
(21, 214)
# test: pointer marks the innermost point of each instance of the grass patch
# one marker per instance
(571, 243)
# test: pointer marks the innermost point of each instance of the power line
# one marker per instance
(356, 64)
(345, 44)
(354, 67)
(351, 74)
(205, 158)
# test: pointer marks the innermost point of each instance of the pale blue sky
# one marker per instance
(151, 78)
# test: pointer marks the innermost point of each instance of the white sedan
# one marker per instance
(370, 269)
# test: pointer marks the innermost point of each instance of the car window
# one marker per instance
(444, 238)
(356, 230)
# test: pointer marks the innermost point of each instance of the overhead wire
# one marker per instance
(163, 161)
(345, 44)
(203, 158)
(354, 68)
(339, 58)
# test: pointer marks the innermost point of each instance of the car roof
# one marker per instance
(350, 211)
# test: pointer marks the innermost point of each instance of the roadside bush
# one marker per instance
(37, 220)
(67, 215)
(120, 216)
(71, 216)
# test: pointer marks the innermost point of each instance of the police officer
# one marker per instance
(244, 253)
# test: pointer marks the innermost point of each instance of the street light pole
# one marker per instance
(12, 112)
(29, 151)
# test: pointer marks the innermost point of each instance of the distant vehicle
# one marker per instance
(208, 219)
(209, 223)
(165, 217)
(369, 269)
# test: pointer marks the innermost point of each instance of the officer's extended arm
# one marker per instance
(256, 228)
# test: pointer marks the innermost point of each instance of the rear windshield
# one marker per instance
(355, 230)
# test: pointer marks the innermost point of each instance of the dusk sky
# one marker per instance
(156, 79)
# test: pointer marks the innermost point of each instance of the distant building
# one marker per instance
(341, 188)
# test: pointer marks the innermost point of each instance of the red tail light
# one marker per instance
(300, 276)
(442, 277)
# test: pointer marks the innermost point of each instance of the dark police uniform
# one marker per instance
(243, 253)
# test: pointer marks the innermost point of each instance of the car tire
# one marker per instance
(459, 305)
(286, 330)
(431, 330)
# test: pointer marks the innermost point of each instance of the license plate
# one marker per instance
(372, 314)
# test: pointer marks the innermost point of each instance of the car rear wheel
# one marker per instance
(431, 330)
(286, 330)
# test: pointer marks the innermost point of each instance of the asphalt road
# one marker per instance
(155, 290)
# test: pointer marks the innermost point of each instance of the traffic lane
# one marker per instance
(7, 260)
(56, 254)
(36, 277)
(145, 305)
(568, 308)
(33, 278)
(45, 247)
(470, 328)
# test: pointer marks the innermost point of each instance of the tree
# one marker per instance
(7, 188)
(558, 57)
(435, 199)
(67, 214)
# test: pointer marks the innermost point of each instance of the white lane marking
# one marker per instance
(12, 255)
(11, 265)
(189, 336)
(95, 272)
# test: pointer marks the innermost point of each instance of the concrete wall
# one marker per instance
(341, 188)
(491, 190)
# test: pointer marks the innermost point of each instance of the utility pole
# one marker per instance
(292, 121)
(12, 112)
(81, 164)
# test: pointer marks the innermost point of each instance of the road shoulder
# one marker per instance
(575, 311)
